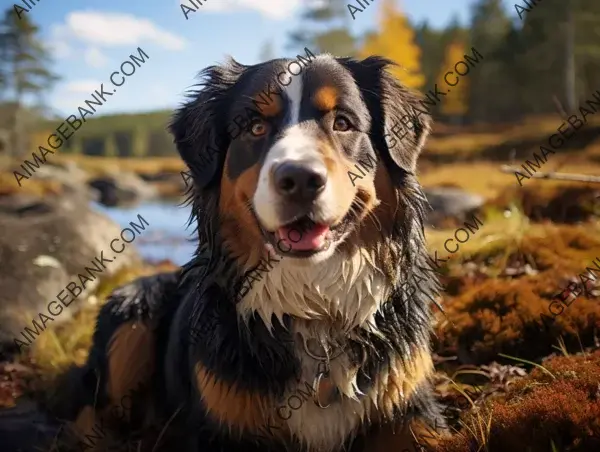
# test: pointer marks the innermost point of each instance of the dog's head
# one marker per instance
(298, 154)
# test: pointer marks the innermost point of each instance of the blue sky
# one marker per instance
(90, 39)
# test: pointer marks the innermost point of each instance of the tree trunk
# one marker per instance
(570, 92)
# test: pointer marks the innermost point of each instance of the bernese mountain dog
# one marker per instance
(291, 329)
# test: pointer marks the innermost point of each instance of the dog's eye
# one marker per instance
(341, 124)
(258, 128)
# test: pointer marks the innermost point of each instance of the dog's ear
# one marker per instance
(199, 125)
(395, 111)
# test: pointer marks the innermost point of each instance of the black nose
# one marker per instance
(300, 181)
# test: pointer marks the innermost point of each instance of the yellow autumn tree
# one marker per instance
(455, 103)
(396, 41)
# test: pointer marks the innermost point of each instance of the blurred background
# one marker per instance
(535, 67)
(541, 62)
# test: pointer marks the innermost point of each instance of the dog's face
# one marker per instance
(297, 152)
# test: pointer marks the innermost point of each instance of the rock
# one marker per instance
(26, 428)
(450, 202)
(122, 189)
(70, 175)
(45, 243)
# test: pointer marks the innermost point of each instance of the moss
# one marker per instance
(540, 411)
(486, 316)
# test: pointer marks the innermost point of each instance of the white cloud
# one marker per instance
(94, 57)
(59, 41)
(274, 9)
(69, 96)
(117, 29)
(82, 86)
(97, 30)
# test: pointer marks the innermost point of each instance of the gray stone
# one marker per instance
(122, 189)
(450, 202)
(44, 243)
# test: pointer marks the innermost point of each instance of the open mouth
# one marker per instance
(304, 237)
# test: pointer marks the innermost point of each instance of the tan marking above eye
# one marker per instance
(325, 99)
(266, 105)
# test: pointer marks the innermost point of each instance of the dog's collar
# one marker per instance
(324, 391)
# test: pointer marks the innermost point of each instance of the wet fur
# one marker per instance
(221, 391)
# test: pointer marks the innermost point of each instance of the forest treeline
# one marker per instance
(539, 57)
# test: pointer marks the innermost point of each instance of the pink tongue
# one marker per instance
(304, 239)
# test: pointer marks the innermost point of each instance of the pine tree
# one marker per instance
(24, 58)
(24, 62)
(396, 41)
(559, 54)
(332, 20)
(456, 102)
(587, 46)
(490, 93)
(432, 51)
(110, 146)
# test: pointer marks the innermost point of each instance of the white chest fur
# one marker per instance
(345, 291)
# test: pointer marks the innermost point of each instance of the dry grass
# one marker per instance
(472, 140)
(103, 165)
(500, 231)
(554, 408)
(32, 186)
(68, 343)
(485, 178)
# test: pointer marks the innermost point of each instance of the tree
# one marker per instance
(432, 51)
(266, 52)
(396, 41)
(586, 16)
(110, 146)
(24, 63)
(456, 102)
(490, 92)
(334, 36)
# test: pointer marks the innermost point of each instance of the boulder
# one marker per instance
(450, 203)
(122, 189)
(70, 175)
(44, 244)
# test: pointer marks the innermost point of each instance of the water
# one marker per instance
(167, 236)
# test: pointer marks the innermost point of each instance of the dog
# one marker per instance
(322, 350)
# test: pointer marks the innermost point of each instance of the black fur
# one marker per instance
(201, 298)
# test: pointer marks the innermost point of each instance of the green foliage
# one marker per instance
(25, 60)
(125, 135)
(328, 30)
(548, 53)
(24, 63)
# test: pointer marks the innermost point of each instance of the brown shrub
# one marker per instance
(560, 203)
(485, 317)
(539, 411)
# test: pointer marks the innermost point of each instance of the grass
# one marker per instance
(508, 237)
(486, 179)
(500, 231)
(542, 368)
(147, 165)
(68, 343)
(470, 141)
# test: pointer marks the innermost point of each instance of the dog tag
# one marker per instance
(324, 390)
